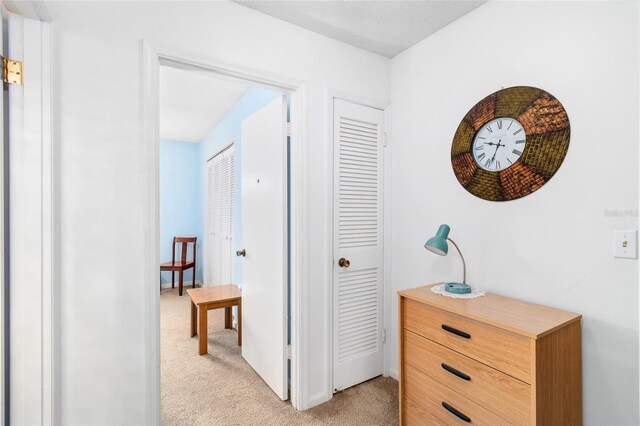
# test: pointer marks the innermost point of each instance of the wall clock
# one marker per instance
(510, 143)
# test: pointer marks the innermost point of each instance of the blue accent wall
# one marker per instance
(181, 200)
(228, 129)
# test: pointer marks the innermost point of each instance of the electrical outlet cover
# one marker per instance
(625, 243)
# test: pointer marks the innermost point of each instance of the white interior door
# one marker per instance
(264, 221)
(358, 206)
(220, 206)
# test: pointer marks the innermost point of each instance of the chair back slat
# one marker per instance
(184, 247)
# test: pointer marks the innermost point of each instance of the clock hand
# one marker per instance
(496, 151)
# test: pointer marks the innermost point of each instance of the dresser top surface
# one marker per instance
(525, 318)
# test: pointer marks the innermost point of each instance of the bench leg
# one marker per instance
(240, 324)
(202, 329)
(194, 319)
(227, 317)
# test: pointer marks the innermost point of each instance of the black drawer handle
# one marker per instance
(455, 412)
(456, 331)
(455, 372)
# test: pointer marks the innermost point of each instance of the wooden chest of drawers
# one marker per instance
(487, 361)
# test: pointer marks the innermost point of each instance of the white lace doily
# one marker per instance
(439, 289)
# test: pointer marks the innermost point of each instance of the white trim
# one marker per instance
(4, 246)
(299, 248)
(152, 56)
(394, 374)
(388, 288)
(224, 148)
(34, 125)
(50, 242)
(330, 96)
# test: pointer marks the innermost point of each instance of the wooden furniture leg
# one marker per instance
(227, 317)
(180, 283)
(194, 319)
(173, 279)
(193, 281)
(240, 323)
(202, 329)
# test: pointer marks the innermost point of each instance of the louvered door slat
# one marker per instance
(358, 237)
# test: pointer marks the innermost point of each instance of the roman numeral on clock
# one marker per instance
(521, 141)
(489, 129)
(486, 163)
(500, 124)
(516, 132)
(516, 152)
(481, 156)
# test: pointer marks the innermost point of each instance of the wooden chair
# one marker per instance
(181, 265)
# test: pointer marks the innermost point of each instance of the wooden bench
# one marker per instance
(213, 297)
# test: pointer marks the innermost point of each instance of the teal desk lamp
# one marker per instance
(438, 245)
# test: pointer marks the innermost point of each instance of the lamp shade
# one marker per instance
(438, 243)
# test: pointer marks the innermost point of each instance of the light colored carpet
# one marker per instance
(222, 389)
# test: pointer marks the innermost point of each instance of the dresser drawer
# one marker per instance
(415, 415)
(432, 396)
(498, 392)
(506, 351)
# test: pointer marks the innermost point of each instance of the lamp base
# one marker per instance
(457, 288)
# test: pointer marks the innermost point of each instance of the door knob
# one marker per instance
(344, 262)
(242, 253)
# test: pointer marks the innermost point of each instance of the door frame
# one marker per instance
(330, 96)
(41, 58)
(152, 56)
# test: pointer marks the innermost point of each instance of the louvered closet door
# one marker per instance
(357, 289)
(218, 268)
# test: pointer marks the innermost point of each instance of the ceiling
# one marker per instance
(192, 102)
(383, 27)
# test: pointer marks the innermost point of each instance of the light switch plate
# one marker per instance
(625, 243)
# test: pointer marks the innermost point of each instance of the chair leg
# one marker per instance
(180, 283)
(173, 279)
(193, 283)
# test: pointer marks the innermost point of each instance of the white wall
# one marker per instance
(554, 246)
(98, 69)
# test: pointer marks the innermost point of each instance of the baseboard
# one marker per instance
(185, 284)
(317, 399)
(394, 374)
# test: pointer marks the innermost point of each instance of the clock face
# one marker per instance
(499, 143)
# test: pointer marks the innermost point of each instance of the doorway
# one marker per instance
(243, 173)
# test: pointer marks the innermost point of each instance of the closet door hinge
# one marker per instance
(289, 129)
(12, 71)
(288, 351)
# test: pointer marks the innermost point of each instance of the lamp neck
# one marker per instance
(464, 265)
